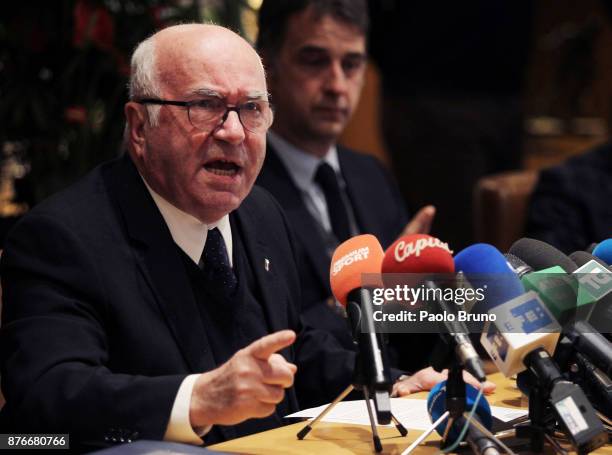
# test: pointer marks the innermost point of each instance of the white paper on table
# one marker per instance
(410, 412)
(507, 414)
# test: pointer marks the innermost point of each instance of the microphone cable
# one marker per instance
(467, 422)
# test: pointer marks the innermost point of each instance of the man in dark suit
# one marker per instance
(570, 206)
(315, 55)
(137, 303)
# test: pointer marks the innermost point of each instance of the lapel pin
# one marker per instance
(267, 264)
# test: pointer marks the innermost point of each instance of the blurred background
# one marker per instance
(455, 94)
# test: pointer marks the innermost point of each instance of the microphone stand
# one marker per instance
(359, 383)
(539, 427)
(556, 403)
(455, 409)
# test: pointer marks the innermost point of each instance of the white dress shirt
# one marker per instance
(190, 235)
(302, 168)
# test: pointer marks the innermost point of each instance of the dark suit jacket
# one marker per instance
(571, 206)
(98, 319)
(379, 210)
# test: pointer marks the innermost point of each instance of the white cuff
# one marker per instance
(179, 426)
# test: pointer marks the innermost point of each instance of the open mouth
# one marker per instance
(222, 167)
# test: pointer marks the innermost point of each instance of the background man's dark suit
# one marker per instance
(100, 323)
(379, 210)
(571, 206)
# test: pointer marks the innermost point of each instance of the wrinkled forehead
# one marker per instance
(225, 65)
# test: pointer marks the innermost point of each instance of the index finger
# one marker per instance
(268, 345)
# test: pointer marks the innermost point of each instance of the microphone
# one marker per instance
(561, 356)
(436, 407)
(581, 258)
(481, 444)
(522, 322)
(357, 256)
(581, 344)
(587, 341)
(540, 255)
(410, 257)
(522, 336)
(556, 289)
(579, 369)
(595, 278)
(424, 254)
(570, 405)
(598, 384)
(584, 337)
(604, 251)
(591, 281)
(418, 253)
(585, 295)
(483, 265)
(569, 297)
(519, 266)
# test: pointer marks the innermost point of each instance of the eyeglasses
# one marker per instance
(209, 113)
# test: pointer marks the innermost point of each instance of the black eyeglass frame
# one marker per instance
(228, 109)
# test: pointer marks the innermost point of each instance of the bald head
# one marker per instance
(181, 48)
(180, 38)
(197, 47)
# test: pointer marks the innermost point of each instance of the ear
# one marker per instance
(136, 118)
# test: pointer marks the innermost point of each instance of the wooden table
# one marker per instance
(334, 438)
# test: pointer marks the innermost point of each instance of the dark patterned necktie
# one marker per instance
(338, 216)
(216, 266)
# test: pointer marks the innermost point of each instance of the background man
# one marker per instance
(314, 52)
(570, 207)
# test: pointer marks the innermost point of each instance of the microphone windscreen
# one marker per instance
(540, 255)
(436, 406)
(580, 258)
(485, 267)
(418, 253)
(354, 257)
(481, 258)
(604, 251)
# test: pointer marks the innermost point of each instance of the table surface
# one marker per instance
(335, 438)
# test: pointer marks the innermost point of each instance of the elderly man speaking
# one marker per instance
(151, 299)
(138, 302)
